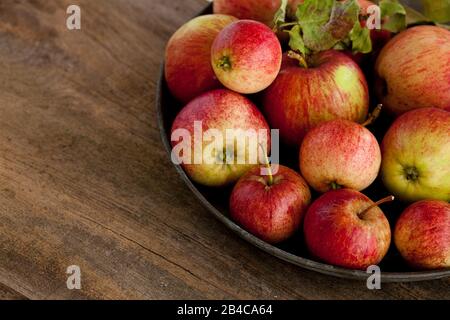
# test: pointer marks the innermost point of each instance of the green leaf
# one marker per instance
(345, 44)
(414, 17)
(437, 10)
(296, 41)
(340, 46)
(360, 37)
(280, 15)
(394, 15)
(326, 22)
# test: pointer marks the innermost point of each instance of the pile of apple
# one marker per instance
(234, 69)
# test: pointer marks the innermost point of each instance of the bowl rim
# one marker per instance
(305, 263)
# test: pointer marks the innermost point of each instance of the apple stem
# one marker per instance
(373, 116)
(267, 164)
(335, 186)
(299, 57)
(411, 174)
(377, 204)
(224, 63)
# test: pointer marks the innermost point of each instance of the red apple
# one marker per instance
(270, 207)
(345, 228)
(246, 56)
(332, 86)
(422, 235)
(188, 68)
(416, 156)
(413, 70)
(219, 112)
(259, 10)
(340, 153)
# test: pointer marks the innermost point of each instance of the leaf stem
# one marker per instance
(335, 186)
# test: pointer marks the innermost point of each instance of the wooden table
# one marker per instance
(84, 178)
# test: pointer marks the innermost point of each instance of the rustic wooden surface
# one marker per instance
(84, 178)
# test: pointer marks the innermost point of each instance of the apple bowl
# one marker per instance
(294, 251)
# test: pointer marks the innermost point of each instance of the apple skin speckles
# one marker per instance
(246, 56)
(337, 233)
(413, 70)
(271, 212)
(422, 235)
(333, 87)
(342, 153)
(220, 110)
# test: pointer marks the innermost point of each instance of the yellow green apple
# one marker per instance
(416, 155)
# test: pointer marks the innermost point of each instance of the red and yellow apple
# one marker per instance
(413, 70)
(345, 228)
(270, 207)
(332, 86)
(416, 156)
(340, 153)
(246, 56)
(216, 137)
(422, 235)
(188, 68)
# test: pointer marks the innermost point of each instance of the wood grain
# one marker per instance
(84, 178)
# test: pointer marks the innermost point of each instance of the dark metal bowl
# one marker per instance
(294, 251)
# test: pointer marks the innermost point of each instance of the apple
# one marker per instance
(270, 207)
(246, 56)
(259, 10)
(413, 70)
(218, 112)
(331, 86)
(346, 229)
(416, 156)
(188, 69)
(422, 235)
(340, 154)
